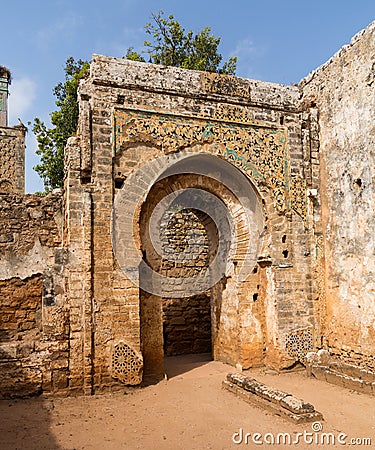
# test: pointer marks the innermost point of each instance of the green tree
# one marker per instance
(52, 141)
(171, 45)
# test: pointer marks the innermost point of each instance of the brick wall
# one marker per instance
(136, 121)
(34, 324)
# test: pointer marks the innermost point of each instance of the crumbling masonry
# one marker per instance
(264, 250)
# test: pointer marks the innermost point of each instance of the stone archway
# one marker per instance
(176, 315)
(187, 327)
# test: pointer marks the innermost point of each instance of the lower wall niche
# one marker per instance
(127, 364)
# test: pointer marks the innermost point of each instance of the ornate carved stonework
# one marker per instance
(127, 365)
(260, 151)
(12, 154)
(299, 342)
(233, 113)
(214, 83)
(298, 202)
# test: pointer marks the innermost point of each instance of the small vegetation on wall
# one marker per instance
(169, 44)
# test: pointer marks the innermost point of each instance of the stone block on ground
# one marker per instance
(271, 399)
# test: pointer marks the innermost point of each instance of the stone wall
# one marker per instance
(343, 91)
(12, 157)
(186, 321)
(140, 123)
(95, 287)
(34, 323)
(187, 325)
(29, 221)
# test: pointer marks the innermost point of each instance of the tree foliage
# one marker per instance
(52, 141)
(171, 45)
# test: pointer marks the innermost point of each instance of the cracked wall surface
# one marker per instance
(34, 323)
(343, 91)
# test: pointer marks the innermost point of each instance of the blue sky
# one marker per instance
(279, 41)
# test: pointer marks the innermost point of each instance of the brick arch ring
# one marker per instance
(239, 214)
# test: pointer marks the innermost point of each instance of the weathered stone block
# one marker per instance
(278, 402)
(296, 405)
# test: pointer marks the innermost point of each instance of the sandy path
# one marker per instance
(189, 411)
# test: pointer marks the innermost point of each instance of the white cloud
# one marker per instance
(244, 49)
(130, 37)
(246, 53)
(61, 29)
(22, 96)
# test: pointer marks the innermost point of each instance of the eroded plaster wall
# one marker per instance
(34, 323)
(343, 91)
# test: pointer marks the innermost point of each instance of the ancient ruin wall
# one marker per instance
(343, 90)
(34, 351)
(12, 157)
(135, 115)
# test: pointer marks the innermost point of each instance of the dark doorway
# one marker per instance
(186, 320)
(187, 325)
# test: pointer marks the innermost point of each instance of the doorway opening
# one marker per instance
(199, 230)
(187, 322)
(179, 247)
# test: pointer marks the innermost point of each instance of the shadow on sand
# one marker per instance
(178, 365)
(25, 424)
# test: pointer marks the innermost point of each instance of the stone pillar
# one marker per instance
(12, 143)
(78, 205)
(12, 157)
(4, 84)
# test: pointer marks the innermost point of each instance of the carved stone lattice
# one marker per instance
(12, 149)
(127, 364)
(319, 267)
(213, 83)
(5, 186)
(233, 113)
(260, 151)
(297, 190)
(8, 158)
(299, 342)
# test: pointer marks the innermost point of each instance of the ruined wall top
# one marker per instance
(370, 29)
(122, 73)
(12, 159)
(5, 73)
(5, 80)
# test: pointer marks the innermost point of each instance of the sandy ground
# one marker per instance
(189, 411)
